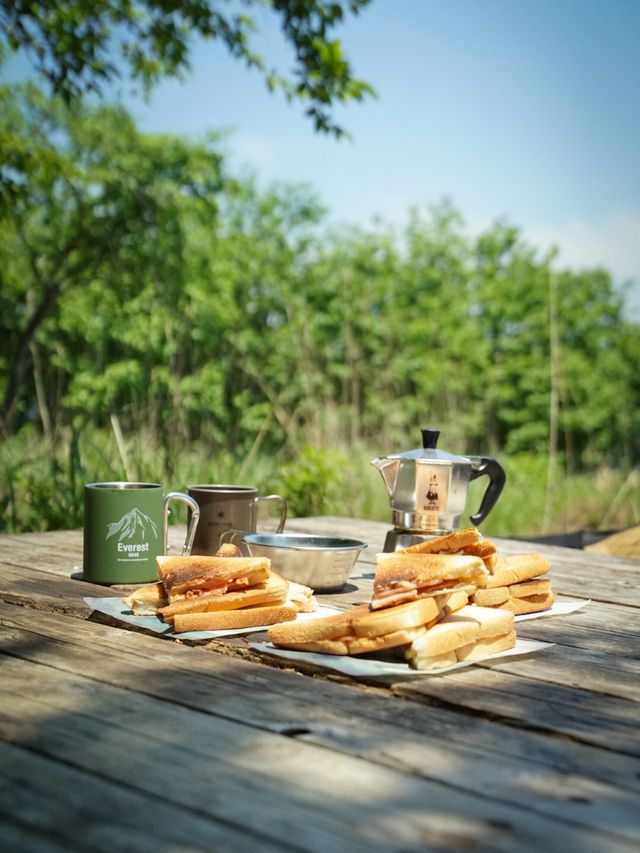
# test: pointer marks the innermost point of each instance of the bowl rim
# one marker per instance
(314, 542)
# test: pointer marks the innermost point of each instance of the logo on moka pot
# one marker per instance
(133, 525)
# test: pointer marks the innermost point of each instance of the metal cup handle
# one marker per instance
(193, 520)
(283, 509)
(229, 538)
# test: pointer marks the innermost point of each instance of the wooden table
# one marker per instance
(113, 739)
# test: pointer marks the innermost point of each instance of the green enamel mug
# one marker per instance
(126, 528)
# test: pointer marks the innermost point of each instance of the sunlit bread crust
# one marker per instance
(301, 597)
(526, 589)
(491, 597)
(451, 542)
(201, 573)
(433, 662)
(445, 636)
(147, 599)
(323, 647)
(534, 604)
(467, 541)
(450, 602)
(365, 645)
(270, 592)
(327, 628)
(482, 648)
(426, 571)
(384, 629)
(486, 550)
(471, 626)
(410, 615)
(492, 622)
(250, 617)
(517, 568)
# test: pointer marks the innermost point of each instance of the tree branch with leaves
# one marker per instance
(81, 46)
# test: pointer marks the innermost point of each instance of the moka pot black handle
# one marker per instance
(487, 466)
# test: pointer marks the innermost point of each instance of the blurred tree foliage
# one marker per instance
(139, 280)
(73, 44)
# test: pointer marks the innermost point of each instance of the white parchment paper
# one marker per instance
(558, 608)
(368, 667)
(114, 607)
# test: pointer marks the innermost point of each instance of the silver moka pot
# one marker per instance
(428, 490)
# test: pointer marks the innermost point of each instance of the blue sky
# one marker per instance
(523, 110)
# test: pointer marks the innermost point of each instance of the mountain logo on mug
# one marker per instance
(130, 525)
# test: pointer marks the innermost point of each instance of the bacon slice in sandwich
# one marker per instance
(406, 577)
(193, 576)
(271, 592)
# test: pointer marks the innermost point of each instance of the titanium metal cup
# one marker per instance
(125, 529)
(225, 510)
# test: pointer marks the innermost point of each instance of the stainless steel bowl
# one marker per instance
(322, 562)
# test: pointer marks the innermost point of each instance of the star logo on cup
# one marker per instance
(221, 514)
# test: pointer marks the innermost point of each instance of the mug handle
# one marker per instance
(193, 521)
(229, 538)
(283, 509)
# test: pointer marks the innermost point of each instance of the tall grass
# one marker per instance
(42, 488)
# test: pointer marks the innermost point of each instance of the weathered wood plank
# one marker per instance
(77, 808)
(81, 722)
(441, 744)
(602, 674)
(26, 839)
(581, 714)
(603, 628)
(34, 588)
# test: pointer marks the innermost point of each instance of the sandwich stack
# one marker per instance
(220, 592)
(516, 585)
(472, 633)
(420, 606)
(463, 561)
(361, 630)
(411, 594)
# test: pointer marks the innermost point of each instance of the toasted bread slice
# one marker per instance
(250, 617)
(491, 597)
(492, 621)
(534, 604)
(445, 636)
(326, 628)
(537, 586)
(404, 578)
(323, 647)
(270, 592)
(392, 619)
(431, 662)
(451, 543)
(482, 648)
(147, 599)
(365, 645)
(517, 568)
(181, 575)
